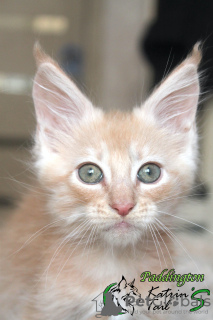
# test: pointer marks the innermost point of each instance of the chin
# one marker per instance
(122, 235)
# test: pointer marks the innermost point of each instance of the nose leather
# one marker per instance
(123, 209)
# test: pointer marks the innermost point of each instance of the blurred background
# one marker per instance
(116, 51)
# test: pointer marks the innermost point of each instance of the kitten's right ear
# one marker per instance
(59, 104)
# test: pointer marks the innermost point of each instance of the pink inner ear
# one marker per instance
(59, 104)
(52, 105)
(174, 103)
(179, 108)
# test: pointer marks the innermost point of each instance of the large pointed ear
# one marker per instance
(59, 104)
(174, 103)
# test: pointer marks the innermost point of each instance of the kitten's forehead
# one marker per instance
(119, 136)
(136, 152)
(121, 143)
(126, 135)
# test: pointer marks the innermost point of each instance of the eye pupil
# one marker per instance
(148, 171)
(90, 172)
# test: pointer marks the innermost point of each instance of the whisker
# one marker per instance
(35, 235)
(72, 252)
(92, 238)
(61, 246)
(95, 237)
(164, 245)
(186, 220)
(181, 192)
(158, 243)
(88, 239)
(173, 237)
(155, 245)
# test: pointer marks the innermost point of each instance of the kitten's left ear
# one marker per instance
(174, 103)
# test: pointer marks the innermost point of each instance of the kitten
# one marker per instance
(103, 183)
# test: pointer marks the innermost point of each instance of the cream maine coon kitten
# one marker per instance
(104, 181)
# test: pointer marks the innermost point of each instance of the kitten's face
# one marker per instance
(114, 173)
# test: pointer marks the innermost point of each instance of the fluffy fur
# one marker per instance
(66, 243)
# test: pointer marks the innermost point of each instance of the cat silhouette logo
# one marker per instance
(113, 301)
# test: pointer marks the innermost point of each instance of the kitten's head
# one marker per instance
(111, 173)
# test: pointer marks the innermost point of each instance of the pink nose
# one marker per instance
(123, 209)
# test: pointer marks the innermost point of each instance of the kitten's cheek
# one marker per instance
(151, 215)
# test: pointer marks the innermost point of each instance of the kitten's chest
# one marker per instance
(90, 273)
(76, 282)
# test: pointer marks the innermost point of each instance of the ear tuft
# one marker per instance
(39, 54)
(196, 54)
(173, 104)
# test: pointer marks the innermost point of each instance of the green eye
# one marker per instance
(90, 173)
(149, 173)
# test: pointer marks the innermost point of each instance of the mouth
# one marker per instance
(122, 233)
(123, 225)
(123, 228)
